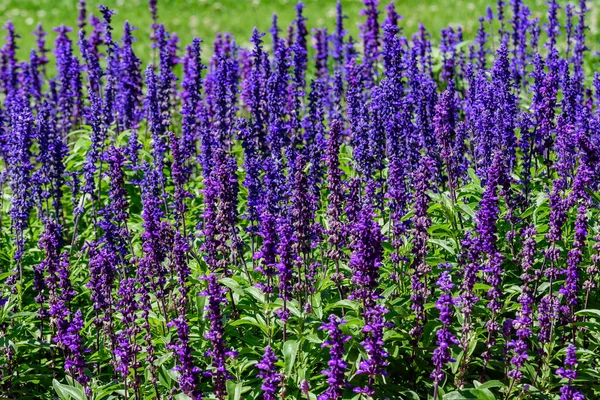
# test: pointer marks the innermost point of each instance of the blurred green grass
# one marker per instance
(204, 18)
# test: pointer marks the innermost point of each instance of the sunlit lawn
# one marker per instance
(204, 18)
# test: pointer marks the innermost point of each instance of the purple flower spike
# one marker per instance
(129, 93)
(420, 292)
(217, 352)
(375, 362)
(336, 372)
(189, 374)
(568, 372)
(268, 373)
(82, 14)
(445, 337)
(524, 321)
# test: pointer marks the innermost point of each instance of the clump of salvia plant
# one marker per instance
(315, 214)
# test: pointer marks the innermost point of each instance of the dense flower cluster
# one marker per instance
(303, 216)
(336, 365)
(445, 338)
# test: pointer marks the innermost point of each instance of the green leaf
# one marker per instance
(317, 307)
(467, 209)
(474, 178)
(233, 285)
(410, 395)
(541, 198)
(164, 377)
(428, 331)
(234, 390)
(589, 313)
(67, 392)
(458, 357)
(491, 384)
(445, 244)
(247, 320)
(313, 338)
(256, 293)
(343, 304)
(456, 395)
(483, 394)
(479, 394)
(290, 350)
(481, 286)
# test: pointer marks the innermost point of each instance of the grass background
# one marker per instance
(204, 18)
